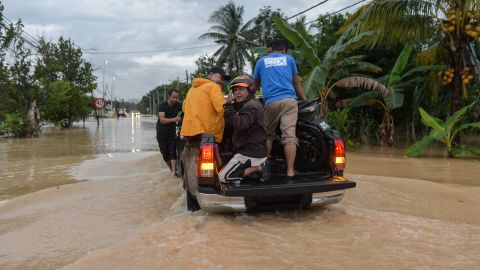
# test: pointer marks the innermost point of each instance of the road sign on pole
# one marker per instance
(99, 103)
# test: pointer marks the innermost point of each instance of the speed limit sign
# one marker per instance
(99, 103)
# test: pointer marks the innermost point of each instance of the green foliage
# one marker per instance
(298, 40)
(230, 32)
(336, 64)
(327, 26)
(17, 83)
(16, 124)
(444, 132)
(263, 29)
(57, 78)
(204, 63)
(59, 94)
(397, 21)
(66, 80)
(340, 121)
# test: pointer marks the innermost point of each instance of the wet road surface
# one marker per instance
(130, 213)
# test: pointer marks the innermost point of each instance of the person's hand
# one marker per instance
(230, 98)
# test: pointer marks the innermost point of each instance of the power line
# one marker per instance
(24, 35)
(338, 11)
(307, 9)
(155, 51)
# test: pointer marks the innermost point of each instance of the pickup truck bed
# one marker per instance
(281, 185)
(280, 193)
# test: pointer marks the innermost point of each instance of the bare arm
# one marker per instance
(164, 120)
(298, 87)
(258, 84)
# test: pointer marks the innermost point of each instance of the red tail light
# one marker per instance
(339, 156)
(206, 163)
(206, 151)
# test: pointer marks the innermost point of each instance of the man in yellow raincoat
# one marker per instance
(203, 106)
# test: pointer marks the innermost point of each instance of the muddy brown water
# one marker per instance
(102, 198)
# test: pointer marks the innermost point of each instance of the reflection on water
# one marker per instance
(28, 165)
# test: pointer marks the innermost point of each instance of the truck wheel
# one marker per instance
(192, 203)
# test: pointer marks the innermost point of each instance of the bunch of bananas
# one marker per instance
(467, 77)
(448, 76)
(472, 28)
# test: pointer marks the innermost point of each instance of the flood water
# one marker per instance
(102, 198)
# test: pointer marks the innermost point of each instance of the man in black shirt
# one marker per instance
(166, 128)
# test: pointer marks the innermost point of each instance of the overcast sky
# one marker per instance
(140, 25)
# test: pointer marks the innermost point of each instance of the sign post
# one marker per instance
(99, 103)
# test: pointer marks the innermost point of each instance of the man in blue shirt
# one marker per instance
(277, 74)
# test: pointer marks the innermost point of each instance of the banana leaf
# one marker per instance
(362, 100)
(422, 70)
(395, 98)
(400, 65)
(415, 149)
(438, 135)
(314, 82)
(470, 125)
(472, 150)
(430, 121)
(343, 47)
(348, 70)
(296, 38)
(363, 83)
(456, 117)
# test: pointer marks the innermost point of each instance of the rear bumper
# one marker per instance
(325, 198)
(210, 200)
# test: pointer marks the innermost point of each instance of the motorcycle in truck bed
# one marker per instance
(319, 163)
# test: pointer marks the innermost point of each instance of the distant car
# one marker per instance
(320, 162)
(121, 113)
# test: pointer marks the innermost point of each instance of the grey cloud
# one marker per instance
(139, 25)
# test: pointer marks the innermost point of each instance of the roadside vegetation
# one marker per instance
(46, 82)
(407, 79)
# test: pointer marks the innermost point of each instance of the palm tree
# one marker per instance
(450, 26)
(229, 32)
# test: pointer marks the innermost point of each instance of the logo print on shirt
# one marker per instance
(275, 62)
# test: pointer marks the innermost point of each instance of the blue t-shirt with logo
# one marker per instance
(276, 71)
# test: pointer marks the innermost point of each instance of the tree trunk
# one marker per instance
(387, 130)
(33, 121)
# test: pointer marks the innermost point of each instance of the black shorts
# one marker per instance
(168, 147)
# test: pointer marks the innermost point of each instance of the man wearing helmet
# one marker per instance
(247, 118)
(278, 76)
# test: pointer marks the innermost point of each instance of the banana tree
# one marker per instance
(396, 82)
(450, 27)
(322, 74)
(444, 132)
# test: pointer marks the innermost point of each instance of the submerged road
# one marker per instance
(103, 199)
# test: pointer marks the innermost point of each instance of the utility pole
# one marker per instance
(164, 93)
(151, 111)
(186, 75)
(103, 78)
(158, 98)
(178, 83)
(103, 83)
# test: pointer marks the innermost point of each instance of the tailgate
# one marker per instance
(281, 185)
